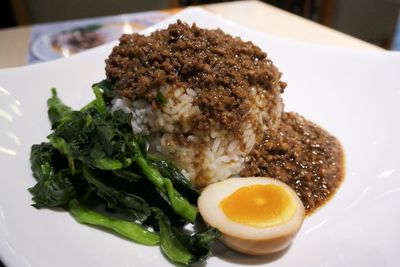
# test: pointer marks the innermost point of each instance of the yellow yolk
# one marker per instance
(259, 205)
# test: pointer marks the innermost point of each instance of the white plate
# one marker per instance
(353, 94)
(43, 49)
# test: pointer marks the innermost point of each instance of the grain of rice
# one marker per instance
(215, 154)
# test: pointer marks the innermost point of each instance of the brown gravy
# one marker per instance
(302, 155)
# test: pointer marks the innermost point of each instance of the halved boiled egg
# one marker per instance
(255, 215)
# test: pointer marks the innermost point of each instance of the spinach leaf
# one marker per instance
(41, 154)
(95, 140)
(180, 247)
(125, 202)
(52, 190)
(73, 134)
(54, 187)
(106, 87)
(99, 101)
(171, 245)
(56, 109)
(62, 146)
(201, 243)
(128, 175)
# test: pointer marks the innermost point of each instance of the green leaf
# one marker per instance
(54, 187)
(62, 146)
(56, 109)
(202, 242)
(73, 134)
(125, 202)
(41, 154)
(106, 86)
(128, 175)
(182, 248)
(160, 98)
(171, 245)
(52, 190)
(99, 102)
(95, 139)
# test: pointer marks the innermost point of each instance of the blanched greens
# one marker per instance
(93, 156)
(127, 229)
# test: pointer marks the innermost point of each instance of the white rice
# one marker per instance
(209, 156)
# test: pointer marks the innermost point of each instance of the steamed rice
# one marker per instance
(206, 157)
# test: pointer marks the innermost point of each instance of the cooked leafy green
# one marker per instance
(54, 187)
(120, 200)
(105, 86)
(52, 190)
(128, 175)
(171, 245)
(179, 204)
(130, 230)
(182, 248)
(93, 156)
(56, 109)
(201, 243)
(179, 181)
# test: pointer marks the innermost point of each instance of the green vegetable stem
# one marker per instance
(129, 230)
(179, 204)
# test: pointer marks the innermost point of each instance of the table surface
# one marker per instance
(14, 42)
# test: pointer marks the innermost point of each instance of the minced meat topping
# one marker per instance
(220, 68)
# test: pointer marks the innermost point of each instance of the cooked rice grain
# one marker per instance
(204, 156)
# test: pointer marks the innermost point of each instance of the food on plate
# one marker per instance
(181, 110)
(301, 154)
(127, 229)
(204, 97)
(211, 104)
(255, 215)
(78, 39)
(92, 158)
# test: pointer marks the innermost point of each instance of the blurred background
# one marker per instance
(375, 21)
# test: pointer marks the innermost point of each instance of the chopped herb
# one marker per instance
(161, 99)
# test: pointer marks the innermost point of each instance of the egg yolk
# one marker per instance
(259, 205)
